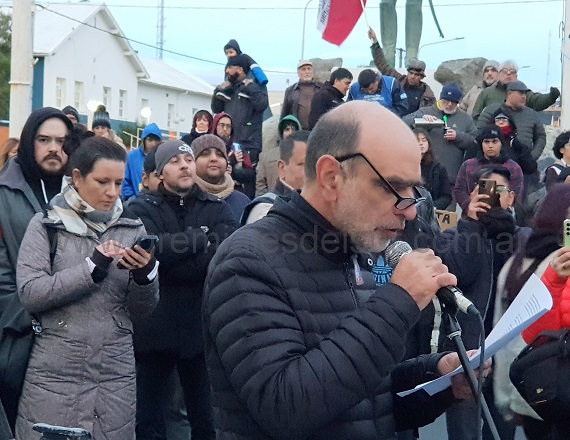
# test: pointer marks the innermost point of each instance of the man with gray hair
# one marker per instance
(300, 343)
(497, 93)
(490, 73)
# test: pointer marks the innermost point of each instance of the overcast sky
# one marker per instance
(271, 32)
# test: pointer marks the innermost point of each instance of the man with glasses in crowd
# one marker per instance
(418, 92)
(490, 74)
(497, 93)
(453, 143)
(299, 341)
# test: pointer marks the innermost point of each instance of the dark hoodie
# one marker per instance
(33, 173)
(232, 44)
(513, 147)
(193, 135)
(214, 127)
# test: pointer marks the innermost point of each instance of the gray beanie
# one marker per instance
(167, 150)
(491, 63)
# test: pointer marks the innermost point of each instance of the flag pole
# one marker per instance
(364, 13)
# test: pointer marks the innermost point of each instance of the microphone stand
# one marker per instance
(449, 317)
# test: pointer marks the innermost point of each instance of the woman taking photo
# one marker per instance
(81, 371)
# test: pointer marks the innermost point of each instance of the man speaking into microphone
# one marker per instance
(300, 344)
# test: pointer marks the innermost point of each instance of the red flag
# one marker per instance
(337, 18)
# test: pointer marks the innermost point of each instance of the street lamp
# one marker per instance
(439, 42)
(145, 113)
(303, 39)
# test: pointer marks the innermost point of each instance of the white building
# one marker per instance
(82, 55)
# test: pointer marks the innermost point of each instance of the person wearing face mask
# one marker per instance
(451, 143)
(490, 141)
(201, 124)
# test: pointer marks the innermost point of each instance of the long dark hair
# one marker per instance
(428, 158)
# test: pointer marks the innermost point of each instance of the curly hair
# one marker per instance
(561, 140)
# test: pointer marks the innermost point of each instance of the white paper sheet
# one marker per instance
(533, 301)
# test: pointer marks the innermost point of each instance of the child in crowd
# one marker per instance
(231, 49)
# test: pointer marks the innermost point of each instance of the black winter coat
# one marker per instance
(246, 107)
(437, 183)
(297, 348)
(324, 100)
(184, 254)
(469, 254)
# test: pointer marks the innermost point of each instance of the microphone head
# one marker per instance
(395, 251)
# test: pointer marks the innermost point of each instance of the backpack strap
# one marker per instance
(52, 240)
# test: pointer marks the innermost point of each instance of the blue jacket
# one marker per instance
(389, 95)
(135, 160)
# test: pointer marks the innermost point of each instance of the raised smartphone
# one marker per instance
(566, 233)
(489, 187)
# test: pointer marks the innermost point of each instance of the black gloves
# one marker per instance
(499, 224)
(101, 263)
(554, 93)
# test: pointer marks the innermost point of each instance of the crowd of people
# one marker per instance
(265, 307)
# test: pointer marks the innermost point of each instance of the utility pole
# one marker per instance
(160, 29)
(565, 98)
(22, 65)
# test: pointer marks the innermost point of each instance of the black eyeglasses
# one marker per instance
(401, 202)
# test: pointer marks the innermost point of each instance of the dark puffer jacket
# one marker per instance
(175, 324)
(296, 348)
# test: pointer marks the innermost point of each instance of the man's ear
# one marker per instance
(329, 177)
(281, 169)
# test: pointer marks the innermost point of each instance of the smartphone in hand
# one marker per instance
(489, 187)
(566, 233)
(147, 242)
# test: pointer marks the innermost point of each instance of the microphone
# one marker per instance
(449, 296)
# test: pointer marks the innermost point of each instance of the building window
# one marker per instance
(144, 103)
(122, 103)
(78, 95)
(170, 116)
(107, 93)
(60, 92)
(194, 111)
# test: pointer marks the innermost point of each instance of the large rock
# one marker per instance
(464, 72)
(322, 68)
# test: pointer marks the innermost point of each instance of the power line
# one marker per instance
(294, 8)
(130, 40)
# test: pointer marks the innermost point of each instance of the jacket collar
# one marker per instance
(12, 178)
(333, 90)
(282, 189)
(318, 234)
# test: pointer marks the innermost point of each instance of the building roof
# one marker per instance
(162, 74)
(56, 22)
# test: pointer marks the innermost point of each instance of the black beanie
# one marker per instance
(69, 110)
(101, 117)
(490, 131)
(241, 61)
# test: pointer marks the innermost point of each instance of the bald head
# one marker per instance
(360, 126)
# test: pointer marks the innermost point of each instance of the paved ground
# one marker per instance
(437, 431)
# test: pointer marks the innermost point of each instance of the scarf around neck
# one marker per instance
(78, 217)
(221, 190)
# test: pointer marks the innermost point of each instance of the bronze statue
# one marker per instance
(389, 29)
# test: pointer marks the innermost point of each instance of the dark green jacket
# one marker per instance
(19, 205)
(497, 94)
